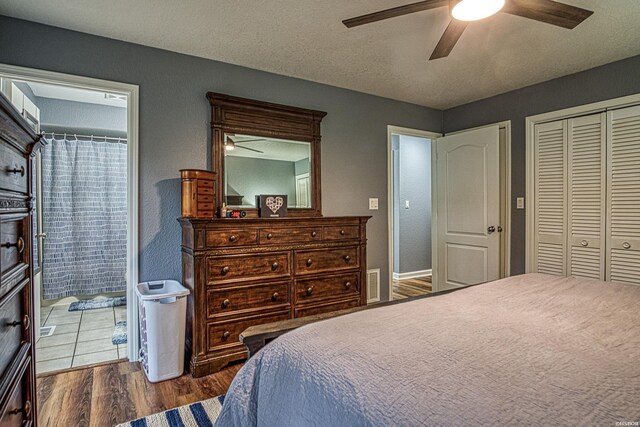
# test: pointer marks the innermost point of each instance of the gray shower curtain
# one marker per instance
(85, 217)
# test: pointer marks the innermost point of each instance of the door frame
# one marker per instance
(398, 130)
(552, 116)
(133, 102)
(505, 196)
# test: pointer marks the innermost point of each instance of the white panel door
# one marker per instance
(586, 203)
(468, 211)
(623, 191)
(550, 215)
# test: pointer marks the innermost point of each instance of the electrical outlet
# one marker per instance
(519, 202)
(373, 204)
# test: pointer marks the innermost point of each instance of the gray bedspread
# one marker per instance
(527, 350)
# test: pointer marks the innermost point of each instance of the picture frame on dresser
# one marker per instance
(247, 271)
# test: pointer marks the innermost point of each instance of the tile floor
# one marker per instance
(80, 338)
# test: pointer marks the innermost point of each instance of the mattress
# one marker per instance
(526, 350)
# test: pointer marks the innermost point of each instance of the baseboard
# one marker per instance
(412, 274)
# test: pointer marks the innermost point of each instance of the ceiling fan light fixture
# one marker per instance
(473, 10)
(229, 144)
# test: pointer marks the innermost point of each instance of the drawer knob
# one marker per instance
(233, 238)
(275, 266)
(626, 245)
(347, 258)
(274, 296)
(269, 236)
(309, 262)
(225, 269)
(19, 244)
(225, 303)
(309, 290)
(26, 410)
(17, 171)
(342, 232)
(347, 285)
(25, 322)
(226, 335)
(314, 234)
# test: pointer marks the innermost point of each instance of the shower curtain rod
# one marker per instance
(92, 137)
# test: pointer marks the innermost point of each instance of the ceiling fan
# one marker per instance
(230, 144)
(464, 11)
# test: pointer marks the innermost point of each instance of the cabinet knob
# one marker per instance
(347, 258)
(274, 296)
(309, 262)
(314, 234)
(275, 266)
(626, 245)
(347, 285)
(269, 236)
(342, 233)
(226, 335)
(17, 171)
(233, 238)
(19, 244)
(225, 269)
(226, 303)
(310, 290)
(584, 243)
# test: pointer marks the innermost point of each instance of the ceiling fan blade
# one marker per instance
(247, 148)
(249, 140)
(449, 39)
(393, 12)
(549, 11)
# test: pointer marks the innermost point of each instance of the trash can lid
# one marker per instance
(160, 289)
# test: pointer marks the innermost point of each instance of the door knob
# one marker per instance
(491, 229)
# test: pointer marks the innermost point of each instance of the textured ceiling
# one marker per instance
(306, 39)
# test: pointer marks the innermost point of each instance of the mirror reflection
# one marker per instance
(255, 165)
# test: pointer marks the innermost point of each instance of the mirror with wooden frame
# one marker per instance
(264, 148)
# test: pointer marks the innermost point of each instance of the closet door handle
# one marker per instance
(626, 245)
(584, 243)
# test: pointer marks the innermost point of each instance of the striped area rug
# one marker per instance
(199, 414)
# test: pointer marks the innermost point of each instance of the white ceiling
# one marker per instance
(306, 39)
(67, 93)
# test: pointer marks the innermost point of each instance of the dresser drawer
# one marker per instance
(13, 243)
(205, 186)
(19, 407)
(238, 299)
(14, 324)
(319, 260)
(241, 237)
(274, 236)
(315, 290)
(248, 267)
(223, 334)
(342, 233)
(13, 170)
(325, 308)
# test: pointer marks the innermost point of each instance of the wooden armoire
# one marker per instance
(248, 271)
(17, 331)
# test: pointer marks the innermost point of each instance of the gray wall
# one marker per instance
(175, 132)
(413, 183)
(247, 177)
(58, 115)
(609, 81)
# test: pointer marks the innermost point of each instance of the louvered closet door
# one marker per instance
(623, 187)
(586, 189)
(550, 196)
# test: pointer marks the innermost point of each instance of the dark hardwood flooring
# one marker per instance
(110, 394)
(411, 287)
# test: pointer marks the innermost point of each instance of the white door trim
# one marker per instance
(132, 93)
(397, 130)
(505, 198)
(530, 123)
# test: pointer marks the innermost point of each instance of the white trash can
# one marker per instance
(163, 310)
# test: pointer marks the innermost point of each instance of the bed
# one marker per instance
(526, 350)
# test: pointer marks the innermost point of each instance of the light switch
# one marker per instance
(373, 204)
(406, 204)
(519, 202)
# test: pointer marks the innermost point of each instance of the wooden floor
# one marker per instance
(114, 393)
(411, 287)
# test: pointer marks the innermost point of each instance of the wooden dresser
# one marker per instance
(245, 272)
(17, 372)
